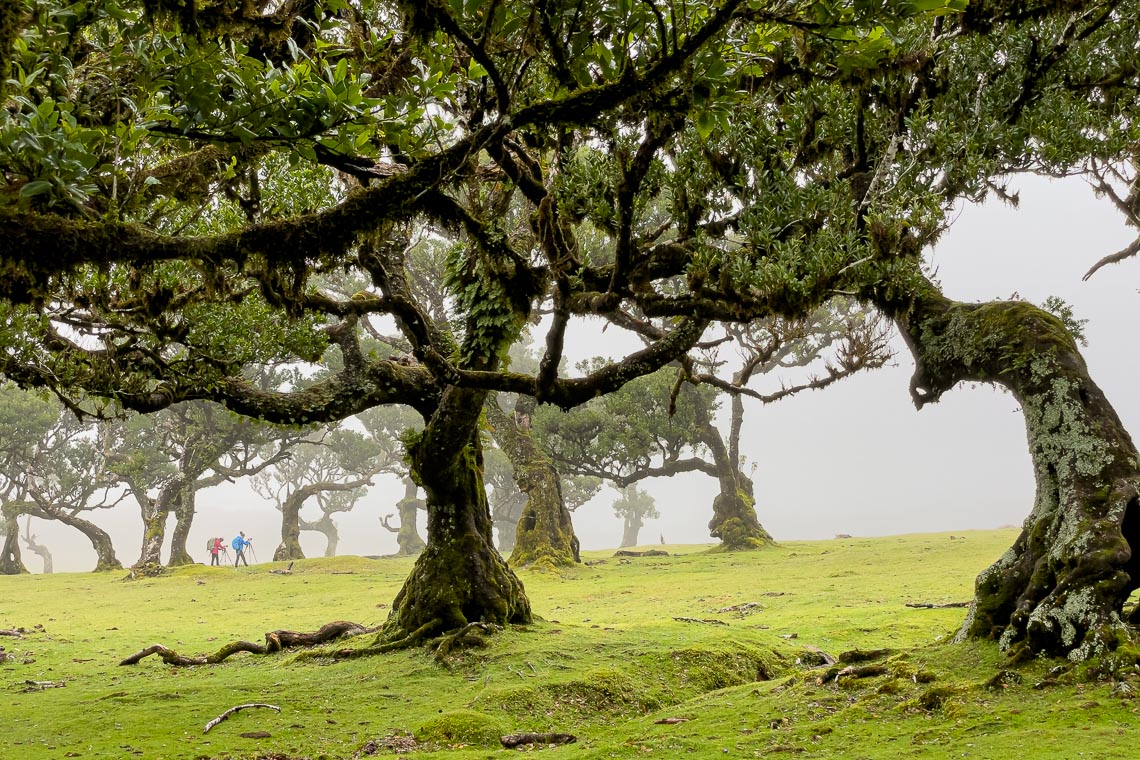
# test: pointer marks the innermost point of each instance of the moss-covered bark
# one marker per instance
(734, 519)
(544, 536)
(184, 509)
(154, 514)
(1061, 588)
(10, 561)
(459, 578)
(290, 546)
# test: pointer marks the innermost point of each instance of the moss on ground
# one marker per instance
(606, 662)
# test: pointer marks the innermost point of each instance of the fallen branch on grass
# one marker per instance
(233, 710)
(647, 553)
(518, 740)
(933, 606)
(286, 571)
(41, 685)
(709, 621)
(275, 641)
(14, 632)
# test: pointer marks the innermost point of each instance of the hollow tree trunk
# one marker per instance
(290, 546)
(544, 534)
(734, 519)
(458, 578)
(1061, 588)
(633, 525)
(10, 561)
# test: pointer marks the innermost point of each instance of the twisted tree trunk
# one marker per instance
(506, 514)
(184, 509)
(327, 528)
(290, 546)
(105, 558)
(459, 578)
(1061, 588)
(37, 548)
(10, 561)
(734, 519)
(407, 536)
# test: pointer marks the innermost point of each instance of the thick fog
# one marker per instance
(856, 458)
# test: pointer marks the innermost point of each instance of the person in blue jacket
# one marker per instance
(239, 544)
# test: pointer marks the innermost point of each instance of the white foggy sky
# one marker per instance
(856, 458)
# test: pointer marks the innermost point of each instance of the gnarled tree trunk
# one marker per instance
(183, 518)
(506, 514)
(544, 535)
(290, 546)
(407, 536)
(458, 578)
(105, 558)
(734, 519)
(1061, 588)
(37, 548)
(10, 562)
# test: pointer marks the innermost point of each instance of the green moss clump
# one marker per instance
(462, 727)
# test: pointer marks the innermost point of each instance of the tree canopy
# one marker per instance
(179, 177)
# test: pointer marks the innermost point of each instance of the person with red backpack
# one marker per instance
(214, 546)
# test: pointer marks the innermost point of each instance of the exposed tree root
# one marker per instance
(470, 635)
(275, 641)
(233, 710)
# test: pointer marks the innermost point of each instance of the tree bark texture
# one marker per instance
(10, 561)
(184, 509)
(290, 546)
(545, 534)
(734, 519)
(458, 578)
(1061, 588)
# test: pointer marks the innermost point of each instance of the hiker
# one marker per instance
(214, 546)
(239, 544)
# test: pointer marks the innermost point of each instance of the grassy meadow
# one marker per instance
(606, 662)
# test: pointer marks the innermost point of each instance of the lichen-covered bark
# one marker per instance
(544, 535)
(734, 519)
(154, 513)
(459, 578)
(1061, 588)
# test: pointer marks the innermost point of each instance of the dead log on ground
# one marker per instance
(709, 621)
(286, 571)
(14, 632)
(933, 606)
(275, 641)
(233, 710)
(647, 553)
(517, 740)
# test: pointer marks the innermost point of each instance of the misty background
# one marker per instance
(855, 458)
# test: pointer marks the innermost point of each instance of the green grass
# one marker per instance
(606, 661)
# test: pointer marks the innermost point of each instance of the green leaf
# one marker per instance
(35, 187)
